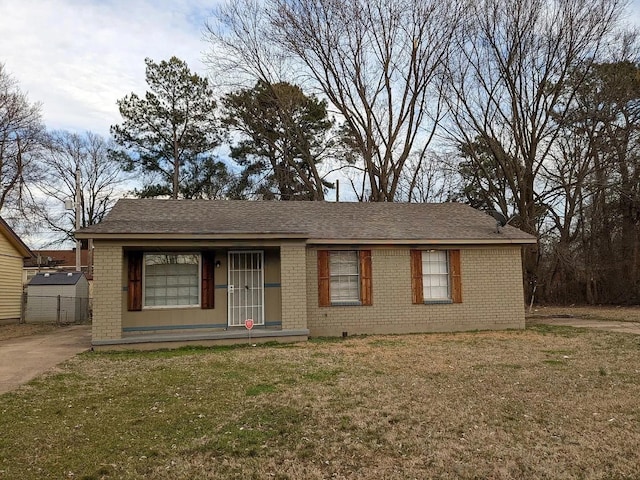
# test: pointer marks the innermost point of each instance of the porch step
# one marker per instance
(209, 337)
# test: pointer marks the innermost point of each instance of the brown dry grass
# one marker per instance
(589, 312)
(15, 330)
(549, 402)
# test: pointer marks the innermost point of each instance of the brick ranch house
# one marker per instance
(192, 271)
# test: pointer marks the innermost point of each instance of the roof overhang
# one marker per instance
(191, 236)
(422, 241)
(15, 240)
(147, 237)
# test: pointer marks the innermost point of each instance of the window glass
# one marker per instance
(435, 275)
(171, 280)
(345, 279)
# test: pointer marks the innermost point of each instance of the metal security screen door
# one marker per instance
(245, 290)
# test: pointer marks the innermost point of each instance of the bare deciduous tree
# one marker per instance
(21, 133)
(100, 174)
(508, 85)
(599, 178)
(377, 62)
(430, 178)
(243, 49)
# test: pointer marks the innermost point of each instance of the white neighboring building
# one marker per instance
(60, 297)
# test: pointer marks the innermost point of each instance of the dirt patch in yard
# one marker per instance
(15, 330)
(588, 312)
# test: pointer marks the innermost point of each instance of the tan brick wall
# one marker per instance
(107, 300)
(293, 281)
(492, 297)
(491, 284)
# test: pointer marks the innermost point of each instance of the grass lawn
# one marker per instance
(548, 402)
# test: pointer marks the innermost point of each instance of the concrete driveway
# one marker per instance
(608, 325)
(24, 358)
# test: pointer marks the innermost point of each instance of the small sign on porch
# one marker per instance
(248, 324)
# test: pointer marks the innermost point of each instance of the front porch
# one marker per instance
(272, 291)
(153, 341)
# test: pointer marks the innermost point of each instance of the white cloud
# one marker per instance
(78, 57)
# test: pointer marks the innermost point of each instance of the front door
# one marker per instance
(245, 289)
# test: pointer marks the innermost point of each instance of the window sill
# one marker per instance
(171, 307)
(438, 302)
(346, 304)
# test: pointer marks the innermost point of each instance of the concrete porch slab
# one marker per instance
(155, 341)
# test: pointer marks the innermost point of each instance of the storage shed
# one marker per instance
(61, 297)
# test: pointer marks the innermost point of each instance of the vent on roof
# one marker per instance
(46, 274)
(499, 217)
(69, 274)
(501, 220)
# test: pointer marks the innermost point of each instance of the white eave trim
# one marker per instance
(431, 241)
(309, 241)
(191, 236)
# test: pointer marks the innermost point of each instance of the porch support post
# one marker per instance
(293, 285)
(107, 291)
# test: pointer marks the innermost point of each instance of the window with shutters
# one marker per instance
(435, 276)
(344, 277)
(171, 280)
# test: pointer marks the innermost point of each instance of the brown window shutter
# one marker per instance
(366, 290)
(134, 288)
(324, 296)
(417, 294)
(208, 286)
(456, 278)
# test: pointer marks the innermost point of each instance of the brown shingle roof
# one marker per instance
(57, 278)
(315, 221)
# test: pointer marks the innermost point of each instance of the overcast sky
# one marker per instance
(77, 57)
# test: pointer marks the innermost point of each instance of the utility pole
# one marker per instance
(78, 206)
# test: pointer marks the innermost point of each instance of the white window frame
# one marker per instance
(429, 298)
(332, 275)
(144, 281)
